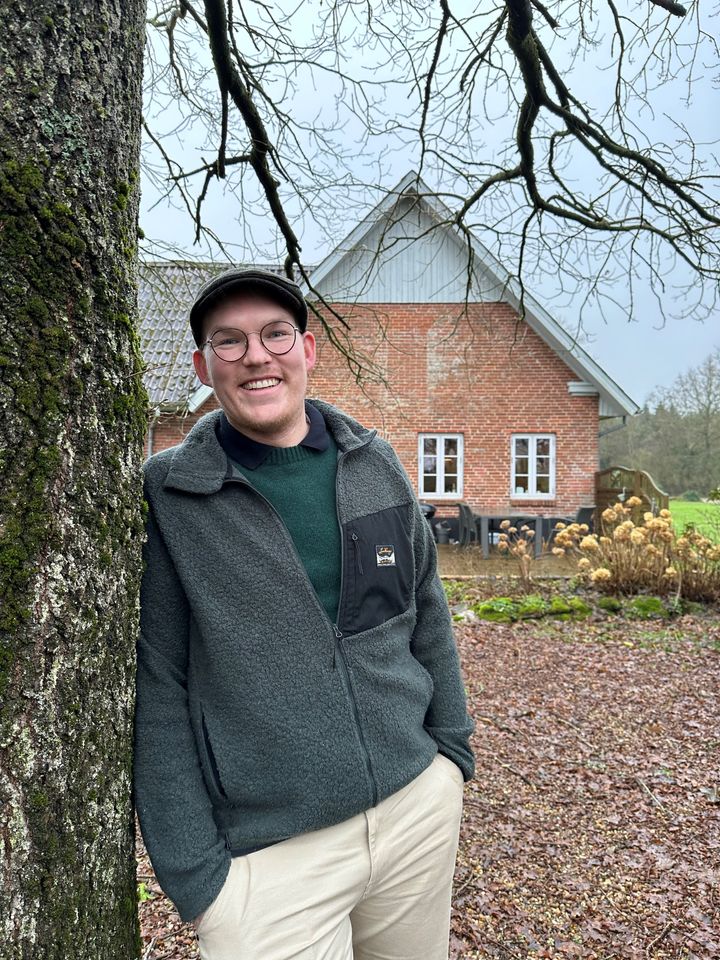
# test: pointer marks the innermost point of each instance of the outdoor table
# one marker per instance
(484, 520)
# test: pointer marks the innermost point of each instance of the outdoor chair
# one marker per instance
(467, 527)
(585, 515)
(582, 515)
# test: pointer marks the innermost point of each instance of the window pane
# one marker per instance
(521, 447)
(429, 464)
(450, 447)
(521, 465)
(521, 484)
(450, 465)
(542, 466)
(430, 484)
(543, 446)
(430, 445)
(451, 484)
(543, 484)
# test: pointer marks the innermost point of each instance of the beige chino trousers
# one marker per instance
(376, 887)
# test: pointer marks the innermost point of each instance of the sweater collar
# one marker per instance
(200, 464)
(251, 453)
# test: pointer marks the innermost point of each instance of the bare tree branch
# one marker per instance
(586, 182)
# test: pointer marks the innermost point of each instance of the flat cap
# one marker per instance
(261, 283)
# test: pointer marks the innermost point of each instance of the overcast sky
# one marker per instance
(639, 355)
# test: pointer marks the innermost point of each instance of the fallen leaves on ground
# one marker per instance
(592, 827)
(164, 935)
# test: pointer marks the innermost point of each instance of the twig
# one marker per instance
(574, 726)
(653, 943)
(652, 796)
(149, 949)
(518, 773)
(496, 723)
(463, 886)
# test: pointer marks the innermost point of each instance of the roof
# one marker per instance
(383, 243)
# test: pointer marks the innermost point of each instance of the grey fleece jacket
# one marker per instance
(257, 718)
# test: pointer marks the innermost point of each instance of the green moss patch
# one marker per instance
(531, 607)
(646, 608)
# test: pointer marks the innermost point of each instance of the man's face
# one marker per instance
(262, 394)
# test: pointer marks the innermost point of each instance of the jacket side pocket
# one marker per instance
(212, 767)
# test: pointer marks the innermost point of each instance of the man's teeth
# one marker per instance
(260, 384)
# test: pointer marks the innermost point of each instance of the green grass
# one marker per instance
(705, 516)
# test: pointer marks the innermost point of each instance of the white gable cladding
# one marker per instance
(405, 258)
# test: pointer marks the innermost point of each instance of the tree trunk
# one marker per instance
(72, 416)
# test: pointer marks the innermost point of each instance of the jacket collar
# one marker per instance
(200, 465)
(251, 453)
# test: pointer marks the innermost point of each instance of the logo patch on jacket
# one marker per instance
(385, 554)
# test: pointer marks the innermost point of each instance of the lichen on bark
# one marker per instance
(72, 417)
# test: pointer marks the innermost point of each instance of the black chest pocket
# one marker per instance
(378, 569)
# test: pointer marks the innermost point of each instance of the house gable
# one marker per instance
(408, 250)
(403, 257)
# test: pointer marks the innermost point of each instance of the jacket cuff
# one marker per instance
(455, 747)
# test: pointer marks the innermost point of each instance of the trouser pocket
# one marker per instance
(229, 903)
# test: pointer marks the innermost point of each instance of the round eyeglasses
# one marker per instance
(277, 337)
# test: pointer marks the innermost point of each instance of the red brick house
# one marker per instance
(482, 406)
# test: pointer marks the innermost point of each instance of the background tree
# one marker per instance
(543, 127)
(676, 437)
(71, 425)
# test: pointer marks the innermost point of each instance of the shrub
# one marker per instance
(455, 590)
(518, 544)
(691, 495)
(628, 557)
(714, 494)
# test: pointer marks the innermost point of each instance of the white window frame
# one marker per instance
(532, 493)
(440, 493)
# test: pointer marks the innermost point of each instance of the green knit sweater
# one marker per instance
(300, 483)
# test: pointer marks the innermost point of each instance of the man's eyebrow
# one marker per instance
(240, 329)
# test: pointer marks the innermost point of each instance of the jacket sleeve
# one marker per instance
(433, 645)
(185, 847)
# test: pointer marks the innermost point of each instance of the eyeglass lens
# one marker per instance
(277, 337)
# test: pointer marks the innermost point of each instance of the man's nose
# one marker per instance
(256, 351)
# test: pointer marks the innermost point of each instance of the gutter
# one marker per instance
(617, 426)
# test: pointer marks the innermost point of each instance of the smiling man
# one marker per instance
(301, 729)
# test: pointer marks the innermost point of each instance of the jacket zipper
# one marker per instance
(338, 635)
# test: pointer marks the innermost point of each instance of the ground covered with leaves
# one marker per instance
(592, 828)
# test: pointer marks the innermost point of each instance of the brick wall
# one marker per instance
(480, 372)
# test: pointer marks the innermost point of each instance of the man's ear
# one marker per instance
(201, 367)
(309, 348)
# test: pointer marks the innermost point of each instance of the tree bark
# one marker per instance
(72, 417)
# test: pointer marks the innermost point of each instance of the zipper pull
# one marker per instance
(338, 636)
(356, 540)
